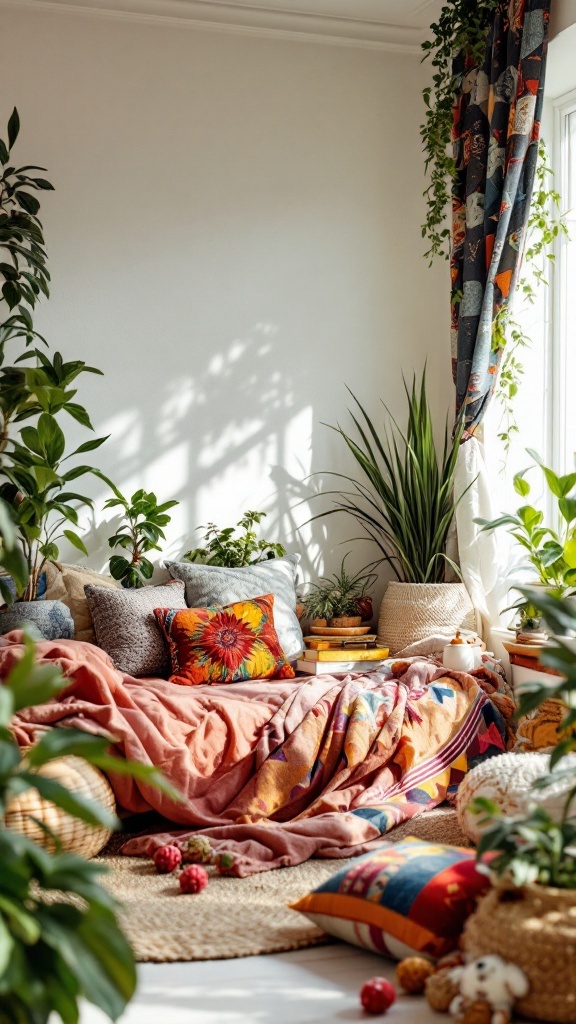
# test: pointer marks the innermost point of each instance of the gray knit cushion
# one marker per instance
(218, 585)
(126, 628)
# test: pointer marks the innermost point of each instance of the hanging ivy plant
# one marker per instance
(461, 31)
(546, 223)
(461, 28)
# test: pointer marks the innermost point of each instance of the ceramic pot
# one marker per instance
(322, 623)
(345, 622)
(52, 619)
(414, 611)
(535, 928)
(364, 606)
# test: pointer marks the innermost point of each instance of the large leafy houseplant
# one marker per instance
(229, 547)
(34, 387)
(60, 941)
(142, 528)
(404, 499)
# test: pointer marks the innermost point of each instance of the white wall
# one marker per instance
(235, 235)
(562, 14)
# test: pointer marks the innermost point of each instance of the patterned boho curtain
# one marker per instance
(496, 127)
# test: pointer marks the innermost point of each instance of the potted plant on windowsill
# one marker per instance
(529, 917)
(404, 503)
(340, 601)
(550, 552)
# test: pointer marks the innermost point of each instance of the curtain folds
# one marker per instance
(497, 113)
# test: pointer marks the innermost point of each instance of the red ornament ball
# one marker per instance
(193, 879)
(377, 995)
(167, 859)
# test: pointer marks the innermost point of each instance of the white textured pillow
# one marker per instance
(218, 585)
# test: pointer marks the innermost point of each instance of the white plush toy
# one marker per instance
(492, 980)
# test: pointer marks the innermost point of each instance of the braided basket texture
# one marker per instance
(413, 611)
(76, 836)
(534, 928)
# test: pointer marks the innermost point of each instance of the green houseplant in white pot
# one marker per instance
(404, 502)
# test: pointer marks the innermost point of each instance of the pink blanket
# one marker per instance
(276, 772)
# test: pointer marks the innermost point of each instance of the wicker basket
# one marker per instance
(535, 928)
(75, 835)
(413, 611)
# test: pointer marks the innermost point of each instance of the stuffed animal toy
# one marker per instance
(491, 980)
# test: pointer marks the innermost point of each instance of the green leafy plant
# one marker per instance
(535, 847)
(460, 29)
(337, 595)
(12, 559)
(545, 224)
(407, 504)
(552, 553)
(60, 941)
(224, 547)
(142, 528)
(34, 388)
(37, 486)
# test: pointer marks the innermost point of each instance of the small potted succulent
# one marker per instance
(340, 601)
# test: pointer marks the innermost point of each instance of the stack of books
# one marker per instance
(340, 654)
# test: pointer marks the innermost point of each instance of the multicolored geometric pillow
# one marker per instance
(408, 897)
(224, 644)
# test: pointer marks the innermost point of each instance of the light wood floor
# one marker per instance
(309, 986)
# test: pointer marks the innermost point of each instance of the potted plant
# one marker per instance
(34, 389)
(338, 601)
(529, 916)
(143, 527)
(228, 548)
(404, 503)
(550, 552)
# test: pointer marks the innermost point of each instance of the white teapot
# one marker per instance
(463, 655)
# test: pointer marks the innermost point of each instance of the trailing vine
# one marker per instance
(461, 28)
(461, 32)
(546, 223)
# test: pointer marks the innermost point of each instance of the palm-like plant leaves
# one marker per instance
(404, 499)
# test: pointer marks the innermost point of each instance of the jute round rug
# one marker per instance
(235, 917)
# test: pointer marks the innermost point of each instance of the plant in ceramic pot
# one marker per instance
(529, 917)
(34, 389)
(404, 502)
(339, 600)
(143, 527)
(551, 552)
(235, 546)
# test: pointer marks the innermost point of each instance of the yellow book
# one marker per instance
(350, 654)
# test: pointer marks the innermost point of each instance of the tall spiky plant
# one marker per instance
(407, 505)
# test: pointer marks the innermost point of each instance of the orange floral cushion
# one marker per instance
(224, 644)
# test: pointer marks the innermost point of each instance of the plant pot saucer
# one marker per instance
(342, 631)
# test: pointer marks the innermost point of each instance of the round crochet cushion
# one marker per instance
(508, 781)
(75, 835)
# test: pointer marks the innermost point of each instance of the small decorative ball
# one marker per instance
(226, 864)
(198, 850)
(478, 1012)
(193, 879)
(412, 974)
(167, 859)
(377, 995)
(440, 990)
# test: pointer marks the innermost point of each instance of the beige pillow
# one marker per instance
(66, 583)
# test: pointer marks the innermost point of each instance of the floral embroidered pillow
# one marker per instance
(228, 644)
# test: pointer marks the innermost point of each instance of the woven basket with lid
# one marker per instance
(534, 928)
(414, 611)
(76, 836)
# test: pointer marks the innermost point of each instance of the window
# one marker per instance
(563, 334)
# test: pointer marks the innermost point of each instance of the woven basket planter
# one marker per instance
(76, 836)
(413, 611)
(535, 928)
